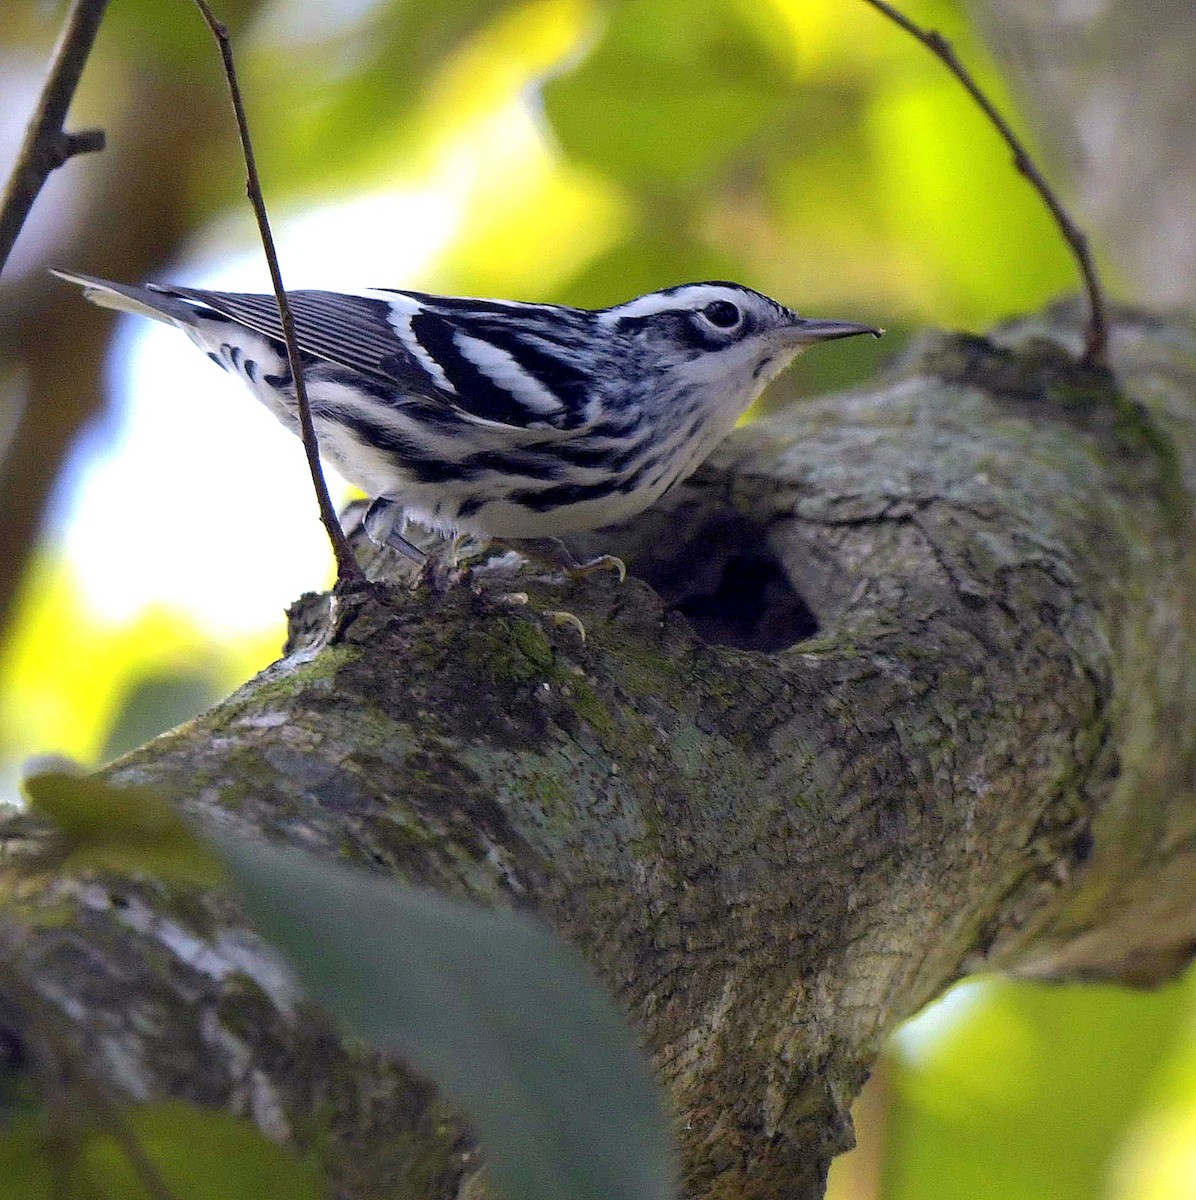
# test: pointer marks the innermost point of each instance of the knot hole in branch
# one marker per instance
(725, 579)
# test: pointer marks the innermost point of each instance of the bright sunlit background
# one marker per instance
(570, 150)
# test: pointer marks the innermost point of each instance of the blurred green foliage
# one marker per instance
(672, 93)
(198, 1155)
(129, 831)
(1022, 1091)
(591, 150)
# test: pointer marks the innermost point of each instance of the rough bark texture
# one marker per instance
(967, 741)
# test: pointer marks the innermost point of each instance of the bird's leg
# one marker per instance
(383, 524)
(553, 552)
(509, 562)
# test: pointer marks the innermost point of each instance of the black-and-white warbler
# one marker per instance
(499, 418)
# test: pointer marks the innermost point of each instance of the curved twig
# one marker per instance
(1096, 339)
(346, 563)
(47, 145)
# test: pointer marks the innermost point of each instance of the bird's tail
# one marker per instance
(147, 301)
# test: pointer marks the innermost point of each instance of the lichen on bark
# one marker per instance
(900, 687)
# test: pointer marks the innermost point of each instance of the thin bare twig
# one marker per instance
(1096, 341)
(347, 569)
(47, 145)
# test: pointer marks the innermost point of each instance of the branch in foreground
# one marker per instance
(1097, 335)
(347, 569)
(972, 751)
(47, 145)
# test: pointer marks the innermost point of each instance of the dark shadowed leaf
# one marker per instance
(486, 1002)
(156, 702)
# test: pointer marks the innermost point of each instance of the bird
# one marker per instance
(499, 419)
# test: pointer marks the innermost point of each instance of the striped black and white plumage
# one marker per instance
(499, 418)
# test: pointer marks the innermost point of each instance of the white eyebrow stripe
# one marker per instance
(687, 298)
(400, 320)
(508, 374)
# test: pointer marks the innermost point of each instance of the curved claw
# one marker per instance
(603, 562)
(558, 616)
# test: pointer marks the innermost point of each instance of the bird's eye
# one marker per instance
(722, 313)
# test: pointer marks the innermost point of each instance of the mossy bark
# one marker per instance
(983, 757)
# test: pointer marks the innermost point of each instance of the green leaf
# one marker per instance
(487, 1002)
(129, 830)
(361, 91)
(671, 91)
(648, 260)
(25, 1172)
(1029, 1092)
(155, 702)
(174, 36)
(199, 1154)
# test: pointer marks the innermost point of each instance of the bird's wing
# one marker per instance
(468, 355)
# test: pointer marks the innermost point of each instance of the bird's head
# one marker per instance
(721, 335)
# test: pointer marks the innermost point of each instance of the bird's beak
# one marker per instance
(805, 331)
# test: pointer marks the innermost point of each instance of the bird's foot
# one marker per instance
(464, 548)
(442, 572)
(552, 552)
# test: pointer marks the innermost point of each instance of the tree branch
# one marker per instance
(1096, 335)
(347, 570)
(47, 145)
(930, 709)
